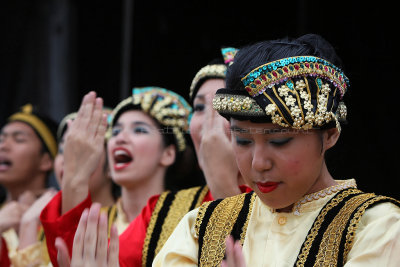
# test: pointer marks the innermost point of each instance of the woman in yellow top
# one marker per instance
(283, 99)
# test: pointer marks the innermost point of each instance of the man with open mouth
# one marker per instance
(27, 150)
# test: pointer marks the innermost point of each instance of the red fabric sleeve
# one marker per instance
(64, 226)
(4, 259)
(132, 239)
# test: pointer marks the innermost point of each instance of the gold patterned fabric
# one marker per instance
(370, 238)
(169, 210)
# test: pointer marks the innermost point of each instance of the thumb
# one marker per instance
(63, 259)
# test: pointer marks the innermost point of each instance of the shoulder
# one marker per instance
(385, 209)
(224, 209)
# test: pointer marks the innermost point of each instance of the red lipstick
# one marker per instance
(122, 158)
(267, 187)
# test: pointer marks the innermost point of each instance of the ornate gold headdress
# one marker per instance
(168, 108)
(300, 92)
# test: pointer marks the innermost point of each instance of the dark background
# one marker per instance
(54, 51)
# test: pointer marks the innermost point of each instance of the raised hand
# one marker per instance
(90, 246)
(83, 148)
(30, 219)
(216, 156)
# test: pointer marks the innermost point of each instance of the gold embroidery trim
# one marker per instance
(246, 224)
(112, 215)
(218, 228)
(200, 216)
(152, 223)
(355, 220)
(179, 207)
(201, 197)
(328, 251)
(318, 222)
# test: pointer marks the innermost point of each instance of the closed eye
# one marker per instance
(242, 141)
(280, 141)
(198, 107)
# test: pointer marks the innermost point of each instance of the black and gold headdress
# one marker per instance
(168, 108)
(300, 92)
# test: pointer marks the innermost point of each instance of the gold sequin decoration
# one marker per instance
(236, 104)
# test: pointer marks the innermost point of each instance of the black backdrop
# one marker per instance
(54, 51)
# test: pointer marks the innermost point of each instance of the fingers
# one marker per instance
(62, 253)
(96, 117)
(239, 258)
(230, 258)
(86, 108)
(101, 130)
(234, 254)
(113, 250)
(77, 248)
(90, 239)
(102, 239)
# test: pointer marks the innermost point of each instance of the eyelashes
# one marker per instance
(281, 141)
(275, 142)
(199, 107)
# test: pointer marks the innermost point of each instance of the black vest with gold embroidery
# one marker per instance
(168, 211)
(327, 243)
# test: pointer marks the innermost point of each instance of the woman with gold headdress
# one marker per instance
(145, 139)
(284, 101)
(147, 233)
(207, 131)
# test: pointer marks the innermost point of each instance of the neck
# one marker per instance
(134, 198)
(223, 188)
(103, 195)
(36, 185)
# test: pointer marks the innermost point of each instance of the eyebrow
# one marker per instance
(135, 123)
(201, 97)
(14, 133)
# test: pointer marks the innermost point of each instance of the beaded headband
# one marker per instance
(272, 73)
(168, 108)
(298, 92)
(209, 71)
(26, 115)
